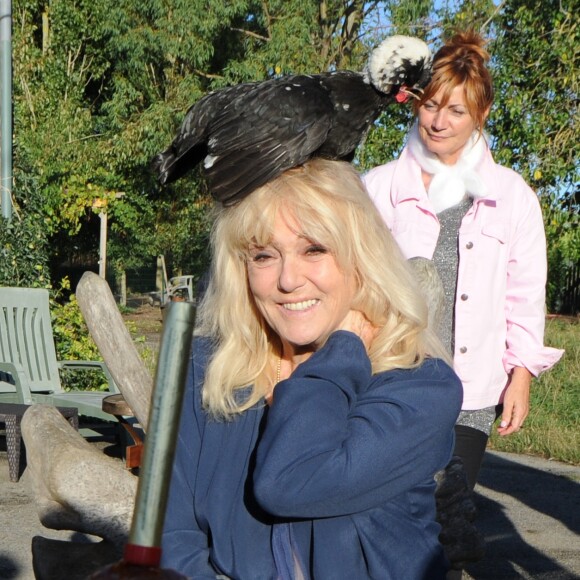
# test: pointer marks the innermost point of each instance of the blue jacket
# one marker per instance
(337, 475)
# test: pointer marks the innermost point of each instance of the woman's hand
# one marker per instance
(516, 402)
(356, 322)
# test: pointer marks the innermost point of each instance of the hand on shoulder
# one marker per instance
(357, 323)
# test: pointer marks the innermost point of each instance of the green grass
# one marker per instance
(552, 429)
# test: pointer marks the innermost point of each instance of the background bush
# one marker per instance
(73, 341)
(24, 246)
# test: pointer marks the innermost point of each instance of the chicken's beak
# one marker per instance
(403, 95)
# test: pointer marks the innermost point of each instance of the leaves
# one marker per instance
(24, 247)
(535, 119)
(100, 87)
(536, 55)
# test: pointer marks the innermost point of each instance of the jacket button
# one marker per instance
(463, 350)
(464, 297)
(469, 245)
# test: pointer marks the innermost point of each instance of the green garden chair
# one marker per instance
(29, 369)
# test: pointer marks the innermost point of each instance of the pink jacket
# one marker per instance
(500, 304)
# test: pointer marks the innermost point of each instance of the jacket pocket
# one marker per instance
(415, 239)
(497, 231)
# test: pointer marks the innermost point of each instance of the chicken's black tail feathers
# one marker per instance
(168, 166)
(161, 167)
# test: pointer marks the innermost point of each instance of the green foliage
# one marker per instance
(147, 353)
(23, 254)
(536, 55)
(535, 119)
(563, 241)
(73, 341)
(24, 248)
(71, 334)
(100, 87)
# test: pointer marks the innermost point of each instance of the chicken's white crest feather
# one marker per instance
(384, 67)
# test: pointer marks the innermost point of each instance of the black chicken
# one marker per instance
(249, 133)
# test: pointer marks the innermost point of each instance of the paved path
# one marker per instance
(18, 525)
(529, 514)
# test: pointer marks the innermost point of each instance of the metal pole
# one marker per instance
(6, 107)
(144, 540)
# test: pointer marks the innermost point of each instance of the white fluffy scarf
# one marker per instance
(450, 183)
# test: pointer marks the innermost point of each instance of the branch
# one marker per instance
(495, 13)
(352, 19)
(268, 18)
(85, 138)
(28, 97)
(327, 31)
(206, 75)
(251, 34)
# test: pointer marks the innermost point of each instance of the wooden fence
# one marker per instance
(569, 299)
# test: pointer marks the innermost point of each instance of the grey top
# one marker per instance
(446, 260)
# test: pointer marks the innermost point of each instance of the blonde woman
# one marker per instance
(317, 411)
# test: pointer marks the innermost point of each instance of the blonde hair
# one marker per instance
(462, 61)
(328, 201)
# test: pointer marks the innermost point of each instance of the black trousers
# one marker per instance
(470, 445)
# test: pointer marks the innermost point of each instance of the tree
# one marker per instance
(535, 121)
(536, 56)
(100, 87)
(58, 69)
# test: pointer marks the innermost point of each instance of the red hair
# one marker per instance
(462, 60)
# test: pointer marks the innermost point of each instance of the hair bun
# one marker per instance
(471, 42)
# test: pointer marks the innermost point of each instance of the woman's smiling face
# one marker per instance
(299, 287)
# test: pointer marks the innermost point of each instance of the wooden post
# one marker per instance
(159, 279)
(101, 205)
(114, 342)
(45, 32)
(124, 288)
(103, 244)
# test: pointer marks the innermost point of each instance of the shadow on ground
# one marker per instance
(8, 567)
(530, 519)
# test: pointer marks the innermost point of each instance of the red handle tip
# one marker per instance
(142, 555)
